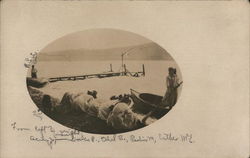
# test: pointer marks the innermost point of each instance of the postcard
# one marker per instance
(124, 79)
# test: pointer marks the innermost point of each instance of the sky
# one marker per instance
(102, 44)
(96, 39)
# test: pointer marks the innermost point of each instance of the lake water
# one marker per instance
(153, 82)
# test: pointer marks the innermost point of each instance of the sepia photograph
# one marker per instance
(104, 81)
(124, 79)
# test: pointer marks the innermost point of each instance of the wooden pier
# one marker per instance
(100, 75)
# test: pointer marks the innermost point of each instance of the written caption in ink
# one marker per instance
(47, 134)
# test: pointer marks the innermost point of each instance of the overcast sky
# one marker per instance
(96, 39)
(103, 44)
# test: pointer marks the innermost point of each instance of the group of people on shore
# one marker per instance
(117, 111)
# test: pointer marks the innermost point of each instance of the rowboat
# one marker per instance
(146, 102)
(36, 82)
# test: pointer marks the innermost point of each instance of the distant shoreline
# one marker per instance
(149, 51)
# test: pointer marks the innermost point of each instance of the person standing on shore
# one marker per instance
(33, 72)
(172, 82)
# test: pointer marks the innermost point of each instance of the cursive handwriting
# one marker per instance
(31, 60)
(134, 138)
(14, 127)
(167, 137)
(38, 114)
(187, 138)
(49, 135)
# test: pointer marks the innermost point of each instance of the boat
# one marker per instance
(146, 102)
(36, 82)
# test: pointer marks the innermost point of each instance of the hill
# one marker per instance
(148, 51)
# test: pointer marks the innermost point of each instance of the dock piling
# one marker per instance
(111, 70)
(143, 70)
(125, 69)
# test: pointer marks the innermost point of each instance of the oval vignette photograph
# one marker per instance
(104, 81)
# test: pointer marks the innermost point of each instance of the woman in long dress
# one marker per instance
(172, 82)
